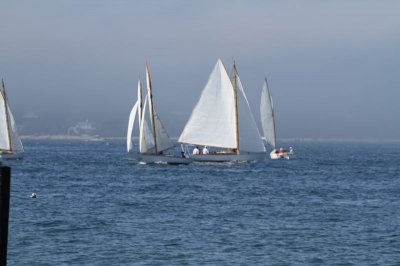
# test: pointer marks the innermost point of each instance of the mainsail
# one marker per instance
(5, 143)
(146, 141)
(9, 138)
(267, 116)
(161, 139)
(213, 122)
(145, 138)
(16, 144)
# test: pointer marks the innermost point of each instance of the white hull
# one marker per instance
(218, 157)
(285, 155)
(11, 156)
(160, 159)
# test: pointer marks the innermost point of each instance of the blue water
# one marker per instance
(333, 204)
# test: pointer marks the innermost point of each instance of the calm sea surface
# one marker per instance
(333, 204)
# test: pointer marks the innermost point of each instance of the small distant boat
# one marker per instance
(10, 143)
(268, 124)
(222, 120)
(153, 141)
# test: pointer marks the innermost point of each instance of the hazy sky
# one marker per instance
(333, 66)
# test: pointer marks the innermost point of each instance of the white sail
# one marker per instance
(131, 122)
(146, 142)
(142, 135)
(160, 136)
(267, 116)
(249, 136)
(16, 144)
(212, 122)
(145, 136)
(148, 138)
(5, 143)
(163, 140)
(10, 140)
(139, 99)
(150, 97)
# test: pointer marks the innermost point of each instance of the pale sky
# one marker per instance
(333, 66)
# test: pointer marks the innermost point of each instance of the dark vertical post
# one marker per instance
(5, 173)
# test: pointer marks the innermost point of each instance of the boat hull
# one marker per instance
(11, 156)
(160, 159)
(280, 155)
(221, 157)
(275, 156)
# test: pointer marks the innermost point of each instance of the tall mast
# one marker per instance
(148, 81)
(236, 105)
(141, 119)
(3, 92)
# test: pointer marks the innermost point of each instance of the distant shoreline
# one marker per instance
(338, 140)
(284, 140)
(64, 137)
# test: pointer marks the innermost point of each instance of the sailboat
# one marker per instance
(268, 124)
(222, 121)
(10, 142)
(153, 140)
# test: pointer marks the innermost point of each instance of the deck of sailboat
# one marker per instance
(228, 157)
(11, 155)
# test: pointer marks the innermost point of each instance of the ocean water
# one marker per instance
(332, 204)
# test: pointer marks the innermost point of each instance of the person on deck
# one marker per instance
(205, 150)
(196, 151)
